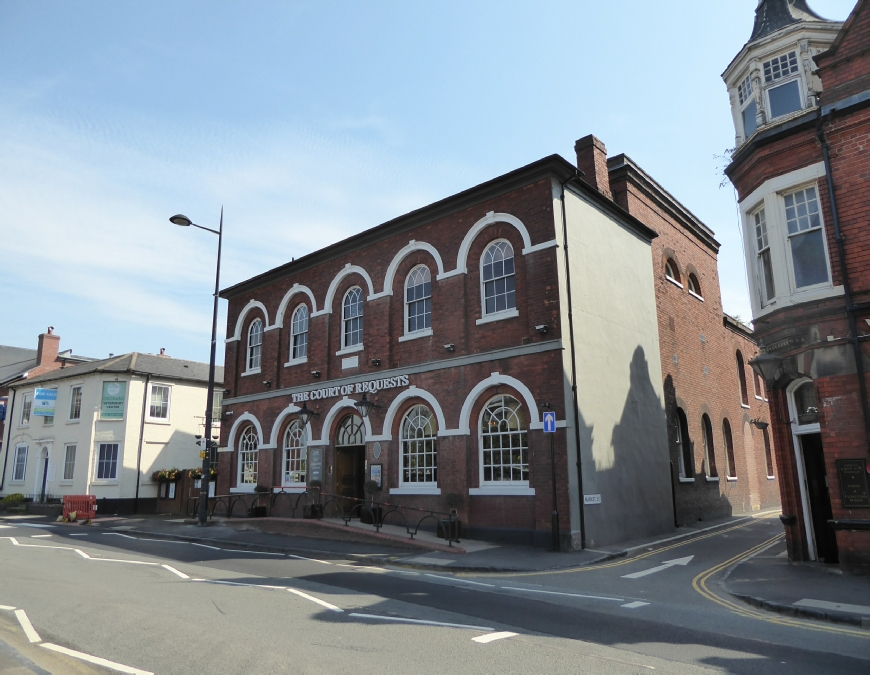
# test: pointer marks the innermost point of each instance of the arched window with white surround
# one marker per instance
(295, 455)
(504, 443)
(255, 344)
(419, 451)
(350, 431)
(498, 278)
(299, 333)
(352, 318)
(709, 448)
(672, 272)
(768, 454)
(249, 446)
(418, 300)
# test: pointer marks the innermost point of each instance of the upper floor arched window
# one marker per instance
(299, 333)
(741, 376)
(730, 467)
(419, 451)
(255, 344)
(498, 278)
(352, 318)
(418, 300)
(672, 272)
(694, 286)
(504, 443)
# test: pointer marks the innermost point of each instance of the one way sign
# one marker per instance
(549, 422)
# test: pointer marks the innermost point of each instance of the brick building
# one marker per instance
(800, 97)
(460, 319)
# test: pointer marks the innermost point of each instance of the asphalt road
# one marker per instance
(174, 607)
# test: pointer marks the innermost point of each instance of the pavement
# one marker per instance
(766, 580)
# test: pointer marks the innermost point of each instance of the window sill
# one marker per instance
(771, 478)
(498, 316)
(744, 406)
(502, 490)
(731, 479)
(111, 419)
(296, 362)
(101, 482)
(155, 420)
(65, 482)
(674, 282)
(758, 398)
(73, 421)
(696, 296)
(412, 490)
(712, 479)
(427, 332)
(349, 350)
(243, 490)
(686, 480)
(16, 482)
(255, 371)
(295, 489)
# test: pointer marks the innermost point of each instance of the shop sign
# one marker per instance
(112, 406)
(43, 402)
(371, 387)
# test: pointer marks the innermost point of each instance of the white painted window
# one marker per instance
(255, 344)
(19, 467)
(352, 318)
(158, 406)
(419, 448)
(498, 278)
(672, 272)
(767, 287)
(295, 455)
(350, 431)
(768, 454)
(782, 80)
(69, 462)
(694, 286)
(806, 238)
(107, 461)
(26, 406)
(780, 67)
(75, 403)
(418, 300)
(248, 457)
(217, 405)
(299, 333)
(748, 107)
(504, 444)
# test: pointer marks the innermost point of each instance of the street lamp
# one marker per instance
(304, 415)
(184, 221)
(365, 406)
(766, 366)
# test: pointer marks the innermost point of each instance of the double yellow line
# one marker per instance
(699, 583)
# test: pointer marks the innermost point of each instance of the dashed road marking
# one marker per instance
(462, 581)
(29, 631)
(635, 604)
(320, 602)
(572, 595)
(492, 637)
(121, 668)
(399, 619)
(118, 534)
(175, 571)
(40, 536)
(301, 557)
(213, 548)
(8, 608)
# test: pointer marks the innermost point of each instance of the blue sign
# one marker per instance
(549, 422)
(3, 400)
(43, 402)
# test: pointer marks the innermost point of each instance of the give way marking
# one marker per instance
(665, 565)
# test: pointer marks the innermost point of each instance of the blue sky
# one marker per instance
(311, 121)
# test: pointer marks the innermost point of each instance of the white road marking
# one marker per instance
(78, 534)
(492, 637)
(8, 608)
(29, 631)
(635, 604)
(400, 619)
(841, 606)
(320, 602)
(464, 581)
(572, 595)
(121, 668)
(213, 548)
(13, 540)
(7, 527)
(132, 562)
(175, 571)
(38, 536)
(82, 553)
(343, 565)
(39, 525)
(665, 565)
(299, 557)
(165, 541)
(235, 550)
(118, 534)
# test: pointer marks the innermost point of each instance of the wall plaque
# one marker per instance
(853, 483)
(315, 464)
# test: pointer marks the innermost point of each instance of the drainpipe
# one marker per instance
(9, 409)
(141, 436)
(851, 309)
(573, 361)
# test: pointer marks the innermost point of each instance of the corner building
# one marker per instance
(459, 320)
(800, 98)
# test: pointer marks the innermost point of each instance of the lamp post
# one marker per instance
(766, 366)
(184, 221)
(554, 518)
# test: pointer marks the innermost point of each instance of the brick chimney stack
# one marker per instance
(46, 352)
(592, 161)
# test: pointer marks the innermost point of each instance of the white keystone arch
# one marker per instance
(478, 227)
(282, 308)
(274, 440)
(252, 304)
(412, 392)
(400, 256)
(492, 381)
(243, 418)
(331, 415)
(330, 294)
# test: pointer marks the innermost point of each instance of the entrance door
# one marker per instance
(819, 497)
(44, 478)
(350, 475)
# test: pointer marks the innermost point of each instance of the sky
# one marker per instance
(309, 122)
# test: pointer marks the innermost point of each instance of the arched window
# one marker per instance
(684, 446)
(741, 374)
(255, 344)
(294, 454)
(248, 456)
(768, 454)
(418, 299)
(759, 388)
(419, 452)
(694, 286)
(352, 318)
(499, 283)
(504, 442)
(806, 403)
(299, 333)
(672, 272)
(350, 431)
(730, 468)
(709, 448)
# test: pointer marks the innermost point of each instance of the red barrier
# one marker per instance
(85, 506)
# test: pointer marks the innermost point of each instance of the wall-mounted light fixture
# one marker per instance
(376, 362)
(450, 348)
(267, 383)
(542, 329)
(315, 373)
(304, 415)
(365, 406)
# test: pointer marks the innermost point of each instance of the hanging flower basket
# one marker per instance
(196, 473)
(166, 475)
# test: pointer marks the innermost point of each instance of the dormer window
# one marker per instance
(748, 107)
(780, 67)
(784, 98)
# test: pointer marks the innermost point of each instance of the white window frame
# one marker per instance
(419, 332)
(295, 426)
(730, 471)
(66, 462)
(250, 355)
(356, 346)
(417, 487)
(681, 450)
(760, 276)
(785, 79)
(787, 244)
(671, 264)
(248, 433)
(148, 416)
(741, 106)
(72, 400)
(118, 461)
(26, 407)
(510, 312)
(501, 487)
(19, 450)
(293, 359)
(798, 430)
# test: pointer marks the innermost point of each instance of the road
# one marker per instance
(172, 607)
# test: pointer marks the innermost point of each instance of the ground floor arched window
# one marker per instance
(504, 442)
(248, 457)
(294, 455)
(419, 451)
